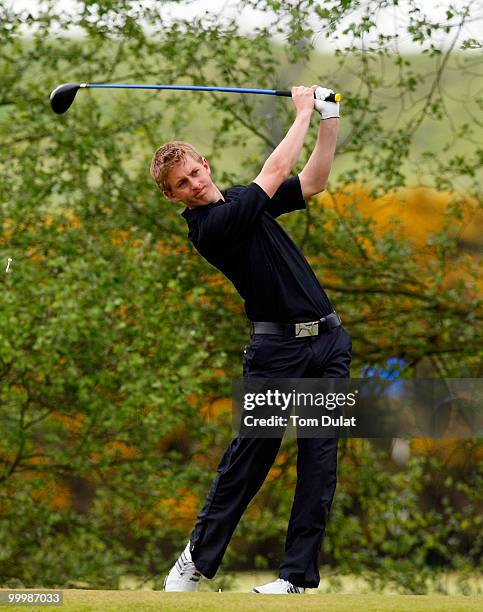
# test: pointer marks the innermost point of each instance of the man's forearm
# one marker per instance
(286, 155)
(280, 163)
(315, 173)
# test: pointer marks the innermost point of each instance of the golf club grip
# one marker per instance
(288, 94)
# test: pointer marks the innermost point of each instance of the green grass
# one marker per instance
(354, 595)
(445, 583)
(139, 601)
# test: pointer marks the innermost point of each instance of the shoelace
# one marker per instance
(185, 566)
(288, 586)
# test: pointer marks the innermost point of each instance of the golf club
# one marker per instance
(63, 95)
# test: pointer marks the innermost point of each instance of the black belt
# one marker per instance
(298, 330)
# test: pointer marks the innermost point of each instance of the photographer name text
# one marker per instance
(294, 419)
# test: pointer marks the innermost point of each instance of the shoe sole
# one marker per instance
(255, 591)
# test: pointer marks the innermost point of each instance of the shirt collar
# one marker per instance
(189, 212)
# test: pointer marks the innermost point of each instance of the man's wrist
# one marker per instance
(330, 121)
(329, 128)
(305, 113)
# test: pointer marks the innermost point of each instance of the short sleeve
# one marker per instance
(287, 198)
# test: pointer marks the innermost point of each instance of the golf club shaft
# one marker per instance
(268, 92)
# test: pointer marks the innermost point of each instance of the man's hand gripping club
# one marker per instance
(327, 110)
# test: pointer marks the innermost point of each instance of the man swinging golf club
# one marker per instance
(236, 231)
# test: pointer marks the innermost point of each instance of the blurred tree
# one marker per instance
(115, 349)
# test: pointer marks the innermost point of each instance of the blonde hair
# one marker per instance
(169, 155)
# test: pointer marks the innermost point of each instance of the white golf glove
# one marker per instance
(327, 110)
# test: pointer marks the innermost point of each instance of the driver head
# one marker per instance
(63, 96)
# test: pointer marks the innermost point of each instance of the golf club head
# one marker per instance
(63, 96)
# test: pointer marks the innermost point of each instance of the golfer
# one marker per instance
(296, 333)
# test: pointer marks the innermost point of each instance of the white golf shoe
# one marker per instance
(183, 576)
(278, 587)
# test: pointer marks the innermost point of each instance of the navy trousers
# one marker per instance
(247, 461)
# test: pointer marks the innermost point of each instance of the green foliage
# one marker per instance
(116, 339)
(404, 524)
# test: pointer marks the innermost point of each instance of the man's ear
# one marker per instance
(206, 165)
(170, 195)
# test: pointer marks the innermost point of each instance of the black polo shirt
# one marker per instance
(241, 238)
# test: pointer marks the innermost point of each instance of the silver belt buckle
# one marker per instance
(306, 329)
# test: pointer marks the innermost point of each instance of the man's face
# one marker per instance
(190, 182)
